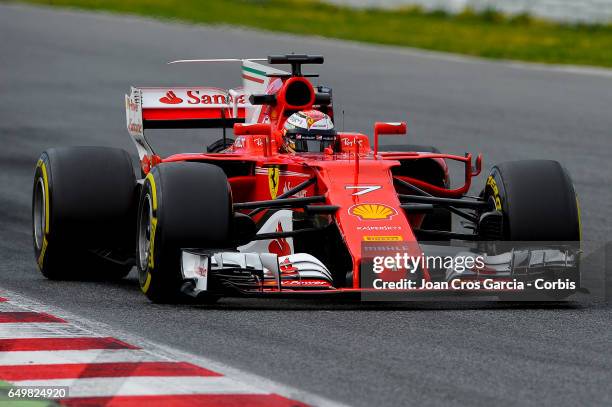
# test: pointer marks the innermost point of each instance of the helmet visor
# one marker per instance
(314, 141)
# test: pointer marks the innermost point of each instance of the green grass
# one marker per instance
(486, 34)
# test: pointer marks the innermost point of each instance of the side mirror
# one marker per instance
(387, 128)
(241, 129)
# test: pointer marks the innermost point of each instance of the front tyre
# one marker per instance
(537, 200)
(182, 205)
(538, 204)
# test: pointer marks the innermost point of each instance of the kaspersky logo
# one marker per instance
(372, 211)
(171, 98)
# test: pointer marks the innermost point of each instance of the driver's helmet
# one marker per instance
(308, 131)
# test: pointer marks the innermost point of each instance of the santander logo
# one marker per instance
(199, 96)
(171, 98)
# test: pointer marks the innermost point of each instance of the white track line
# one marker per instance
(8, 306)
(146, 386)
(42, 330)
(77, 356)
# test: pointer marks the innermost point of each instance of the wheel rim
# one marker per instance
(144, 232)
(40, 215)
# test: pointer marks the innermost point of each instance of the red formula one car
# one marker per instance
(287, 206)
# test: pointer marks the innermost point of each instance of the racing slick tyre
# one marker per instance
(440, 218)
(83, 213)
(220, 145)
(537, 200)
(538, 204)
(182, 205)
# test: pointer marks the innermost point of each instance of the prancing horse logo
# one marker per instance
(273, 175)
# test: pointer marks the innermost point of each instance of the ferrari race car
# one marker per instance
(289, 206)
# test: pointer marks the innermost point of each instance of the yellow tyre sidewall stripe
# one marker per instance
(147, 283)
(43, 250)
(496, 197)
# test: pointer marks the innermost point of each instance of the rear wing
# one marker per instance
(199, 107)
(180, 108)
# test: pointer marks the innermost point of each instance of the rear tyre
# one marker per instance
(440, 218)
(538, 204)
(82, 212)
(220, 145)
(182, 205)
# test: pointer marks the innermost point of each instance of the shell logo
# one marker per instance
(372, 211)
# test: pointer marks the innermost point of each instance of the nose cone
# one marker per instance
(369, 207)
